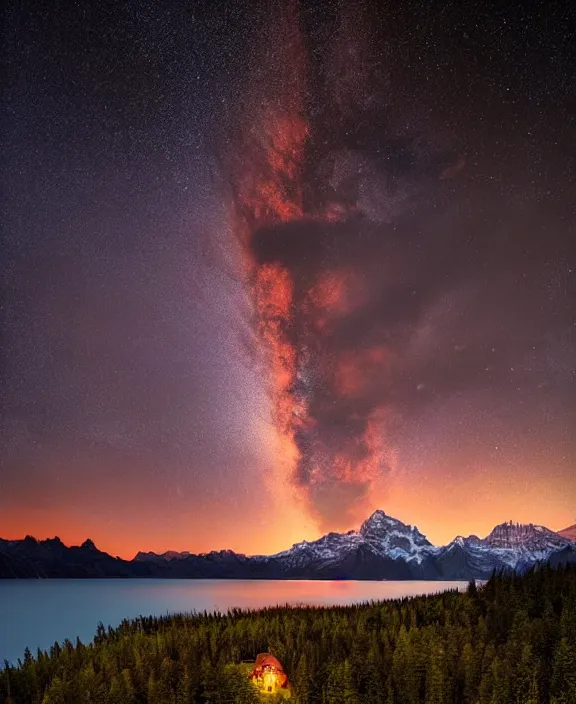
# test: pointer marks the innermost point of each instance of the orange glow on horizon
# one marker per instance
(441, 511)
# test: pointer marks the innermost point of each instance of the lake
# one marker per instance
(35, 613)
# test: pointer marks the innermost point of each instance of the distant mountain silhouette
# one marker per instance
(569, 532)
(383, 548)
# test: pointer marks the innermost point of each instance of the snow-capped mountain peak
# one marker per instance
(519, 536)
(388, 535)
(509, 545)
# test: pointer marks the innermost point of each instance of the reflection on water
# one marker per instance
(35, 613)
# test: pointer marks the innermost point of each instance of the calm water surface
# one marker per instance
(35, 613)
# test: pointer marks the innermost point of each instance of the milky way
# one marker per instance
(426, 240)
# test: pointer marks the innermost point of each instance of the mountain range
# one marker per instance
(383, 548)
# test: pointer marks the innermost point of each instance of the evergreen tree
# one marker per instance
(333, 693)
(436, 690)
(302, 681)
(500, 682)
(128, 689)
(152, 690)
(185, 691)
(563, 683)
(56, 692)
(115, 692)
(468, 674)
(350, 693)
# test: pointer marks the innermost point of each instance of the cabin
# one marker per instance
(268, 675)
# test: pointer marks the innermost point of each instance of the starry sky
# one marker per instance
(136, 408)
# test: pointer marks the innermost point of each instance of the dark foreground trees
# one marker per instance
(512, 641)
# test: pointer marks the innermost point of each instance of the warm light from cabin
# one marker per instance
(269, 677)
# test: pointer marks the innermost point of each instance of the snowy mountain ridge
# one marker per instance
(382, 548)
(509, 545)
(385, 547)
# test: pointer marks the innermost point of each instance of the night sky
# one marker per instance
(136, 396)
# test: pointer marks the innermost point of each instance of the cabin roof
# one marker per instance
(267, 659)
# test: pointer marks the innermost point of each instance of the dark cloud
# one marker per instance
(409, 281)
